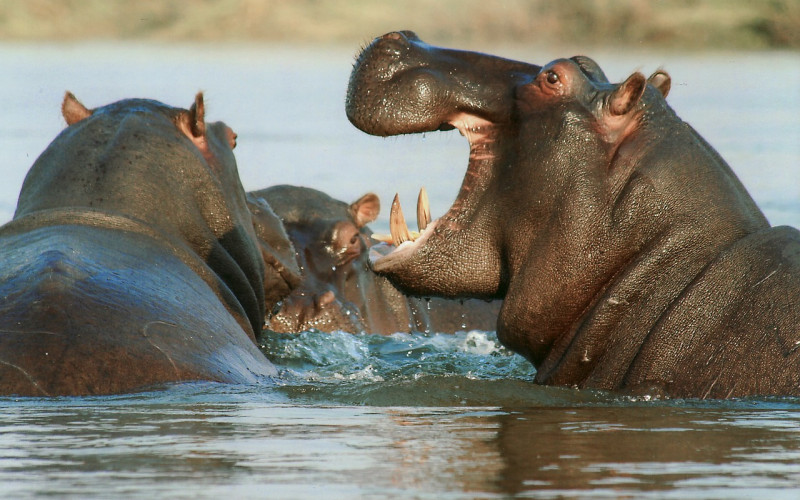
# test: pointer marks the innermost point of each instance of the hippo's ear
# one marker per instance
(72, 109)
(627, 94)
(661, 81)
(366, 209)
(197, 116)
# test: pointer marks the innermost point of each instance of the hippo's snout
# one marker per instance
(402, 85)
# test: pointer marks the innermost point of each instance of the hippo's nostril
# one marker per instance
(401, 36)
(394, 35)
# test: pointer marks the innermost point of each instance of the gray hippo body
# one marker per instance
(131, 259)
(628, 254)
(339, 291)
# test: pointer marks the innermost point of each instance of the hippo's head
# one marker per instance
(524, 124)
(338, 291)
(132, 157)
(401, 85)
(570, 177)
(330, 238)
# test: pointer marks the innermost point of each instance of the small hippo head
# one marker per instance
(330, 239)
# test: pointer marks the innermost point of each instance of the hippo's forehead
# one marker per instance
(590, 68)
(138, 106)
(302, 205)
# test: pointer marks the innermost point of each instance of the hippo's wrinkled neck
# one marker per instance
(657, 238)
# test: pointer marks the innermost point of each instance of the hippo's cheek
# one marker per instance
(533, 99)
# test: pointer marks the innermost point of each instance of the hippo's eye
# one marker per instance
(552, 77)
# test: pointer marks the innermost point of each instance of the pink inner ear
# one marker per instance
(661, 81)
(627, 95)
(366, 209)
(72, 109)
(197, 116)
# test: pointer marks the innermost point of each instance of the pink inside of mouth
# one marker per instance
(476, 130)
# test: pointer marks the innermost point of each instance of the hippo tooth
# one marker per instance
(383, 238)
(387, 238)
(423, 210)
(397, 223)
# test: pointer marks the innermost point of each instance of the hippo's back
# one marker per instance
(86, 310)
(735, 331)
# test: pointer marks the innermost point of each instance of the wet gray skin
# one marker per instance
(338, 290)
(281, 272)
(627, 253)
(131, 259)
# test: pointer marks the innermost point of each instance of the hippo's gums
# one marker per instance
(628, 254)
(131, 259)
(339, 291)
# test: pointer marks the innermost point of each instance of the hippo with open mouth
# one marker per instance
(132, 258)
(628, 254)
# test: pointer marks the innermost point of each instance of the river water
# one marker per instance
(427, 416)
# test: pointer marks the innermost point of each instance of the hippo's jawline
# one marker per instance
(479, 134)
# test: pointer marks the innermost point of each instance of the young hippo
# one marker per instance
(131, 259)
(628, 254)
(338, 291)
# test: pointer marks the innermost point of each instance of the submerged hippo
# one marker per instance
(131, 259)
(628, 254)
(339, 292)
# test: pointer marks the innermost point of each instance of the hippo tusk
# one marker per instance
(399, 232)
(423, 210)
(397, 223)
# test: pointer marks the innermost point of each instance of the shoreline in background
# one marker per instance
(633, 24)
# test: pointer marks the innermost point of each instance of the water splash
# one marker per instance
(419, 369)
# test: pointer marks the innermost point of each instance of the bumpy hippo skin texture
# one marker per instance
(131, 259)
(339, 291)
(628, 254)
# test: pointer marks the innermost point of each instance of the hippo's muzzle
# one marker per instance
(402, 85)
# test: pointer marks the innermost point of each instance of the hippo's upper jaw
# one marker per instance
(402, 85)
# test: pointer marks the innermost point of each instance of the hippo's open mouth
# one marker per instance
(405, 242)
(402, 85)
